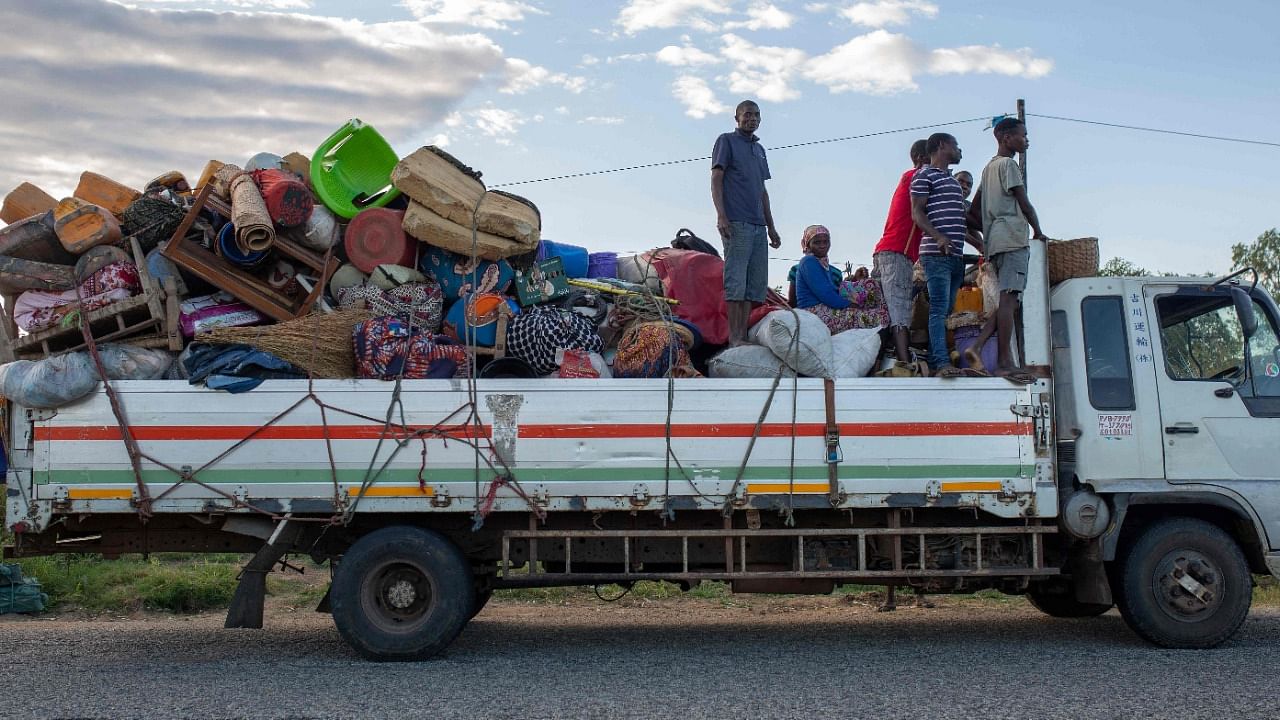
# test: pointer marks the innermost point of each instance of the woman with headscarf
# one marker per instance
(836, 276)
(841, 304)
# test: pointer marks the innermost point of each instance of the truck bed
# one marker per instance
(570, 445)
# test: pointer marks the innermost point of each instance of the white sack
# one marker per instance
(854, 352)
(811, 357)
(747, 361)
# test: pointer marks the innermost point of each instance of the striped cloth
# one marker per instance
(945, 207)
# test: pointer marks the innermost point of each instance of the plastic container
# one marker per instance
(231, 252)
(602, 265)
(965, 338)
(25, 201)
(576, 259)
(376, 237)
(969, 299)
(105, 193)
(81, 225)
(476, 317)
(351, 170)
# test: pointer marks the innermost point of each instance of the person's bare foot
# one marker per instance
(974, 360)
(1015, 375)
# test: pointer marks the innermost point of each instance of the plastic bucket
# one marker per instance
(965, 338)
(602, 265)
(575, 259)
(231, 252)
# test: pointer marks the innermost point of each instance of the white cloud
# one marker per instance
(488, 14)
(698, 98)
(878, 63)
(602, 120)
(562, 110)
(439, 140)
(588, 60)
(817, 7)
(764, 16)
(81, 73)
(628, 57)
(496, 123)
(684, 56)
(882, 63)
(639, 15)
(523, 76)
(762, 71)
(233, 4)
(981, 59)
(882, 13)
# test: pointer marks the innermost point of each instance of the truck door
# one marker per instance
(1219, 398)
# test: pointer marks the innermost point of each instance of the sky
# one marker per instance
(530, 89)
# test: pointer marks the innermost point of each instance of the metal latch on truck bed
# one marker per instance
(1040, 413)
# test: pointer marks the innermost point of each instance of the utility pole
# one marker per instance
(1022, 156)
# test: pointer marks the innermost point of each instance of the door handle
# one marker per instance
(1225, 392)
(1181, 429)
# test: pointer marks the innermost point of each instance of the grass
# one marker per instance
(190, 583)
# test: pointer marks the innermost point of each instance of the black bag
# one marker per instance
(686, 240)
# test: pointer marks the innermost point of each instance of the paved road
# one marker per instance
(803, 658)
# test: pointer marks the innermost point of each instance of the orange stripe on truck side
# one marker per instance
(535, 432)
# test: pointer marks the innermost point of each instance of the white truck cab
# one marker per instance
(1168, 416)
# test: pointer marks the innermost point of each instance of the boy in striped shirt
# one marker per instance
(937, 206)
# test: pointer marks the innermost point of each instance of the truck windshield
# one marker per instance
(1202, 337)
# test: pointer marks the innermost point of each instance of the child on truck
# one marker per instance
(1004, 213)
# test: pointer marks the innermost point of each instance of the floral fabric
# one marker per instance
(866, 311)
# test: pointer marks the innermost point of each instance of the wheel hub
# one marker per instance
(1187, 585)
(401, 595)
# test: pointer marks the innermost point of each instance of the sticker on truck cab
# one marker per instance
(1115, 425)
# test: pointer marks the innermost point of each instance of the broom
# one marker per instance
(320, 344)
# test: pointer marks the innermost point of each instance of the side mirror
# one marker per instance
(1244, 310)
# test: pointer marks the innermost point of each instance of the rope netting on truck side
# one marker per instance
(470, 431)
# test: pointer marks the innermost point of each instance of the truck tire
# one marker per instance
(1060, 601)
(402, 593)
(1184, 583)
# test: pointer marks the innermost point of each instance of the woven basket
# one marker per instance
(1072, 259)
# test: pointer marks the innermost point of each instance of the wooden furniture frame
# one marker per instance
(193, 257)
(149, 319)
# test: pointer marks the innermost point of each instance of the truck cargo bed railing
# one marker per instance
(809, 558)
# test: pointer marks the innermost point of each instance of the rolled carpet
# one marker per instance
(254, 229)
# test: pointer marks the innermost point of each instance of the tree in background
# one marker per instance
(1262, 255)
(1119, 267)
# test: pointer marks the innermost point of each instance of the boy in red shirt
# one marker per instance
(896, 255)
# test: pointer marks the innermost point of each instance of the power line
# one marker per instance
(1156, 130)
(708, 157)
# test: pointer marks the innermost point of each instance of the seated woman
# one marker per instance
(836, 276)
(842, 305)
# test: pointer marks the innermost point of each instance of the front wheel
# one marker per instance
(402, 593)
(1185, 583)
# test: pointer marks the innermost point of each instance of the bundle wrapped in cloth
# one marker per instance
(444, 194)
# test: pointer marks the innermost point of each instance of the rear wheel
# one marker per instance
(1184, 583)
(402, 593)
(1059, 600)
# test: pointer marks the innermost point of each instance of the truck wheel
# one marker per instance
(402, 593)
(1059, 601)
(1185, 584)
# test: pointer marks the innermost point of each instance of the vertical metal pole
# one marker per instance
(1022, 156)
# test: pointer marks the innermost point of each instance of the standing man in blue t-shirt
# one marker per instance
(937, 206)
(738, 171)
